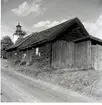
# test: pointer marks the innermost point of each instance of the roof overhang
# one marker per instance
(92, 38)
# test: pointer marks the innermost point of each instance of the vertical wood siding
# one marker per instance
(99, 61)
(29, 55)
(62, 54)
(96, 52)
(83, 55)
(94, 56)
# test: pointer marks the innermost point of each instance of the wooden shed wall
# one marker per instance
(99, 63)
(45, 50)
(94, 56)
(9, 55)
(83, 55)
(96, 52)
(44, 57)
(62, 54)
(29, 55)
(12, 57)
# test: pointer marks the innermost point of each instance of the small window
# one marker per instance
(24, 55)
(15, 53)
(37, 52)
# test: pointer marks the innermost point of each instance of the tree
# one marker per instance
(5, 43)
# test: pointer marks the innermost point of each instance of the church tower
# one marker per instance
(18, 33)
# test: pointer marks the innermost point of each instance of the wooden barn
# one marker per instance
(67, 45)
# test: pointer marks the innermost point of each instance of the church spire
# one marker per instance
(18, 28)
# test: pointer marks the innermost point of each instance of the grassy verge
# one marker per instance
(87, 82)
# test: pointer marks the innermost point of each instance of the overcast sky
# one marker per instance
(36, 15)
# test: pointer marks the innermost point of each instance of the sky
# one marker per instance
(37, 15)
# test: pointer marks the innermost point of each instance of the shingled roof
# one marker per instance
(48, 34)
(16, 45)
